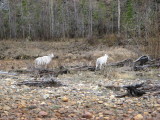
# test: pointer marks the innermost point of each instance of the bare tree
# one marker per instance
(51, 19)
(90, 19)
(119, 16)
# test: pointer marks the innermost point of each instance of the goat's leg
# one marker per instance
(35, 65)
(105, 65)
(100, 66)
(96, 67)
(45, 66)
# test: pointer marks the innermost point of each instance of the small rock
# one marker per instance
(130, 111)
(146, 113)
(154, 114)
(26, 87)
(6, 108)
(32, 107)
(8, 79)
(87, 115)
(65, 99)
(6, 112)
(106, 104)
(46, 96)
(125, 115)
(158, 109)
(106, 118)
(112, 97)
(100, 102)
(139, 104)
(53, 119)
(100, 114)
(43, 103)
(156, 105)
(72, 115)
(22, 105)
(13, 86)
(38, 119)
(138, 117)
(62, 111)
(108, 113)
(42, 113)
(87, 105)
(158, 101)
(58, 114)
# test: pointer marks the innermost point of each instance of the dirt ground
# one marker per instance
(80, 97)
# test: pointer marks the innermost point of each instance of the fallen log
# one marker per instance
(136, 90)
(55, 72)
(39, 72)
(132, 90)
(47, 83)
(81, 68)
(126, 62)
(137, 66)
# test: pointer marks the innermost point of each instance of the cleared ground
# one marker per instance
(81, 98)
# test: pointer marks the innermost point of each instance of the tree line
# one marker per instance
(51, 19)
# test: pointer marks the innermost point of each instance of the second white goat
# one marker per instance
(101, 60)
(43, 61)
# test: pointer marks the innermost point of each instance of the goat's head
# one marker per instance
(106, 55)
(51, 55)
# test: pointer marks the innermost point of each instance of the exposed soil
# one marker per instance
(80, 97)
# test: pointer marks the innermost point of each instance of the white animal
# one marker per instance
(43, 61)
(101, 60)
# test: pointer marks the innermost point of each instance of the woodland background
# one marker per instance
(111, 22)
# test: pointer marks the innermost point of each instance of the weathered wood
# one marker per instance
(136, 90)
(50, 83)
(43, 72)
(81, 68)
(138, 68)
(150, 64)
(142, 60)
(126, 62)
(139, 64)
(132, 90)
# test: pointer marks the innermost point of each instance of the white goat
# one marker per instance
(45, 60)
(101, 60)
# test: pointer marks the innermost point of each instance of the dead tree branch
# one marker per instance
(136, 90)
(50, 83)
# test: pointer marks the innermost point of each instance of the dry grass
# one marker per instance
(111, 39)
(117, 73)
(69, 53)
(153, 47)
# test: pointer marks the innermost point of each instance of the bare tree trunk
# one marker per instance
(67, 18)
(119, 17)
(51, 19)
(64, 20)
(83, 27)
(22, 17)
(29, 20)
(112, 16)
(76, 17)
(9, 21)
(91, 19)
